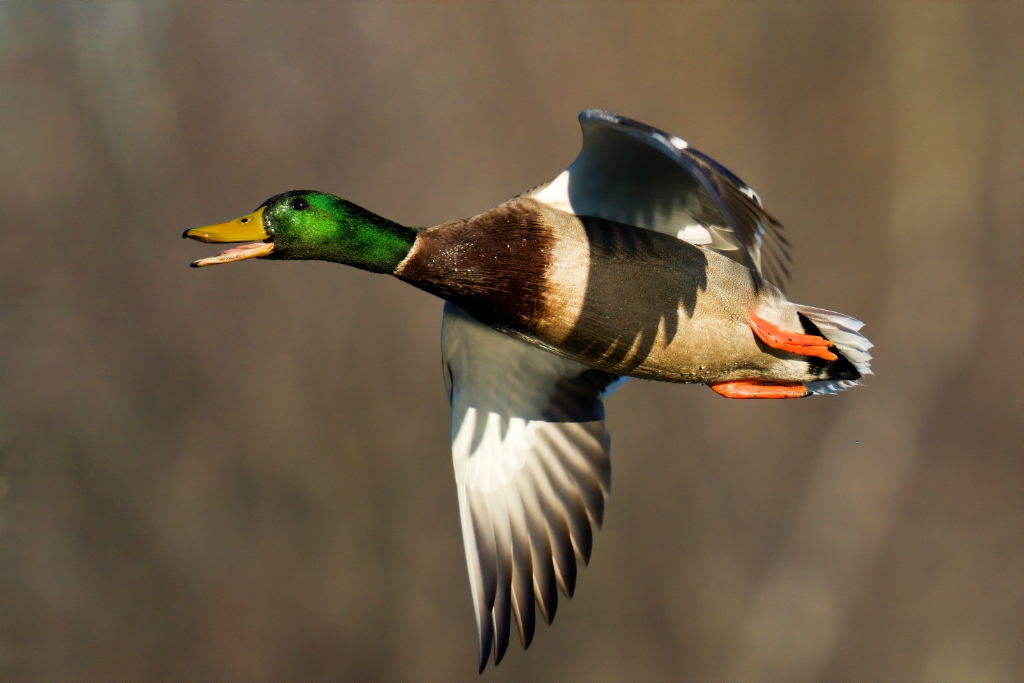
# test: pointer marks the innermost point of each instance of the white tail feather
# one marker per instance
(841, 330)
(826, 387)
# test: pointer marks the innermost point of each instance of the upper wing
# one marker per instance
(532, 468)
(632, 173)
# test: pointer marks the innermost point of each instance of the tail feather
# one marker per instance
(826, 387)
(841, 330)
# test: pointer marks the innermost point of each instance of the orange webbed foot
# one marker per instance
(759, 388)
(803, 344)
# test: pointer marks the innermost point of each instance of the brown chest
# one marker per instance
(494, 265)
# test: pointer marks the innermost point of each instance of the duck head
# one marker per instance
(304, 224)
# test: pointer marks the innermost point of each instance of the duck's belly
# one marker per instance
(641, 303)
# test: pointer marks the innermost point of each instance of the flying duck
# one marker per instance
(644, 258)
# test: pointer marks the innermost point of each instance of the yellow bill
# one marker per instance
(248, 228)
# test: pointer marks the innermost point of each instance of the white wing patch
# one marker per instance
(556, 193)
(532, 468)
(749, 191)
(695, 234)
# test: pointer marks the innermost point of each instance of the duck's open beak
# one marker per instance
(245, 229)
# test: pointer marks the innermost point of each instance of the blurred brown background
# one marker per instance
(243, 472)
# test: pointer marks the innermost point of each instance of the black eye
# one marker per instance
(299, 203)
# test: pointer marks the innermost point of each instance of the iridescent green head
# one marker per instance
(304, 224)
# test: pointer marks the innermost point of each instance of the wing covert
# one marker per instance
(532, 468)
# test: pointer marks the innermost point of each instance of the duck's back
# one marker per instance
(620, 298)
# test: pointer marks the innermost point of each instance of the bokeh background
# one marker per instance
(243, 472)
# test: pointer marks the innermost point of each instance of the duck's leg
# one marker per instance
(793, 342)
(777, 338)
(759, 388)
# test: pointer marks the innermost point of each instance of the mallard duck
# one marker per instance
(645, 258)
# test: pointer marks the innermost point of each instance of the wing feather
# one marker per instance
(522, 565)
(532, 469)
(632, 173)
(568, 495)
(478, 539)
(503, 594)
(545, 587)
(556, 519)
(577, 466)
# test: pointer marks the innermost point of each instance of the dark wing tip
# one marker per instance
(486, 637)
(526, 638)
(499, 652)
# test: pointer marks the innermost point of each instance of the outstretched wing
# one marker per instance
(632, 173)
(532, 467)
